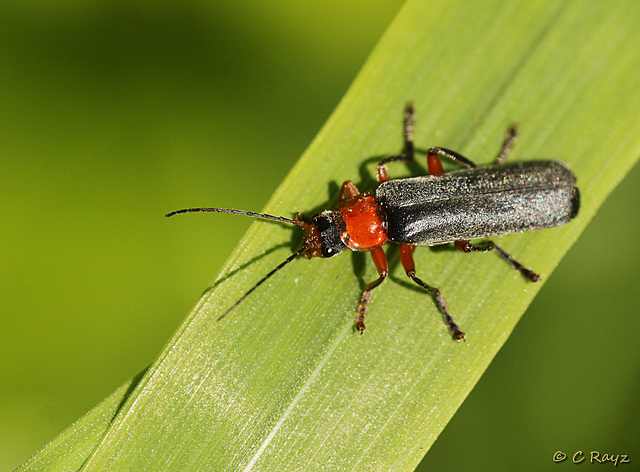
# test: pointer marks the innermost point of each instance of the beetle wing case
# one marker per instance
(479, 202)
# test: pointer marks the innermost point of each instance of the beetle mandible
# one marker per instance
(440, 208)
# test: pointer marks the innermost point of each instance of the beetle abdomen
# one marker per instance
(479, 202)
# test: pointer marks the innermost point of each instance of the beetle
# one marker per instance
(454, 207)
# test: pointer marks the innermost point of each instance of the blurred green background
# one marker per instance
(114, 113)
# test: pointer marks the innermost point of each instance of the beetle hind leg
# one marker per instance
(507, 145)
(406, 257)
(466, 246)
(435, 165)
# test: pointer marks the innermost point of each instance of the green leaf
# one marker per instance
(284, 383)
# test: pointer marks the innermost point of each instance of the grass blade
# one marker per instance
(70, 450)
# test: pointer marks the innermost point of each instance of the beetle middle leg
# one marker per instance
(466, 246)
(409, 147)
(382, 266)
(406, 257)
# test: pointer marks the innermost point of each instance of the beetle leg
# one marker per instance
(507, 145)
(382, 173)
(409, 148)
(434, 164)
(406, 257)
(409, 119)
(380, 261)
(434, 153)
(466, 246)
(348, 192)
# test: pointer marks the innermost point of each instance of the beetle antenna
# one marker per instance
(265, 216)
(240, 212)
(280, 266)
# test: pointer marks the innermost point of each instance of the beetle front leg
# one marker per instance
(380, 261)
(406, 257)
(348, 192)
(466, 246)
(409, 147)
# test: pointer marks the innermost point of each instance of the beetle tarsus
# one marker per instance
(454, 329)
(529, 274)
(507, 145)
(409, 119)
(456, 333)
(526, 273)
(362, 311)
(466, 246)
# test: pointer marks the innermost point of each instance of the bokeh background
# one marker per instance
(113, 113)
